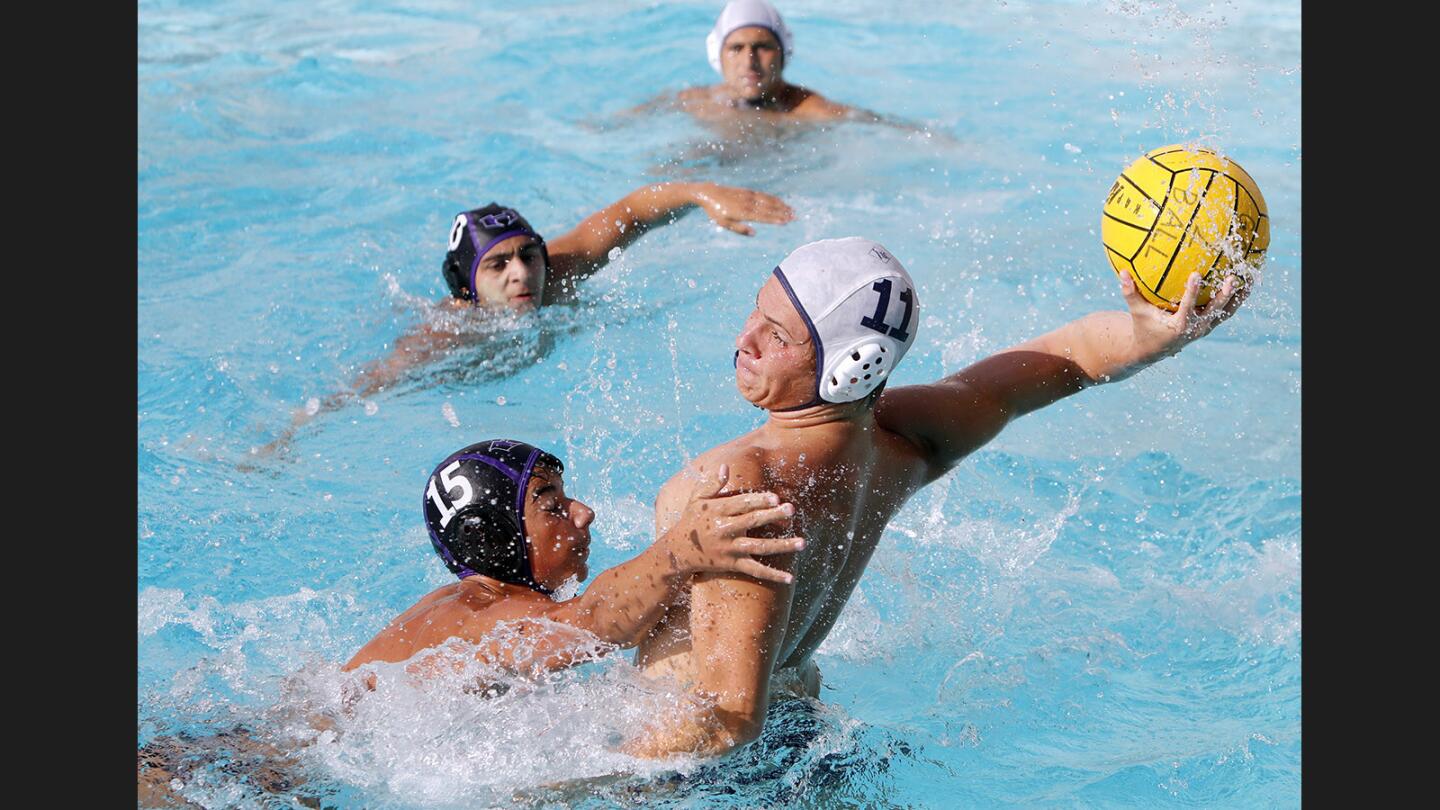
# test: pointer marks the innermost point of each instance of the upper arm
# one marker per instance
(659, 102)
(737, 625)
(579, 253)
(953, 417)
(585, 249)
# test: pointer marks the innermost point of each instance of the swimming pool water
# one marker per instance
(1100, 608)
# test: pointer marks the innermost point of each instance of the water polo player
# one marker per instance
(497, 261)
(750, 46)
(499, 518)
(829, 326)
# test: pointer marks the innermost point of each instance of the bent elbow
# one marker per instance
(736, 731)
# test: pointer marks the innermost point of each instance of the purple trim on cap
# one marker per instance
(814, 338)
(524, 484)
(521, 485)
(509, 472)
(480, 253)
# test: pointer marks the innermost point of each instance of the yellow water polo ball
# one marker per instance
(1180, 210)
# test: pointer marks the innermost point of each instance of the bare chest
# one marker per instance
(842, 512)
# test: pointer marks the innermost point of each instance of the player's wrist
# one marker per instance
(677, 556)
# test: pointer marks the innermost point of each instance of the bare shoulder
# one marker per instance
(809, 104)
(740, 455)
(746, 460)
(483, 614)
(943, 421)
(473, 612)
(697, 98)
(693, 94)
(749, 467)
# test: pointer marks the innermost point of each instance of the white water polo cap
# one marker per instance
(739, 14)
(861, 308)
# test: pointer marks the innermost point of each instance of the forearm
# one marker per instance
(374, 378)
(624, 602)
(696, 732)
(648, 206)
(1101, 344)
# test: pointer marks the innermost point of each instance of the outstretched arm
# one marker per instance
(412, 350)
(586, 249)
(660, 102)
(951, 418)
(815, 107)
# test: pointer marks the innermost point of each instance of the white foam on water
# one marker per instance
(474, 734)
(1001, 544)
(161, 606)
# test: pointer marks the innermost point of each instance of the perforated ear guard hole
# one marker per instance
(857, 374)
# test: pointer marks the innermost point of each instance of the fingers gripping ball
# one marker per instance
(1181, 210)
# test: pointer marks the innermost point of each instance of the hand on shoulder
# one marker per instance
(713, 531)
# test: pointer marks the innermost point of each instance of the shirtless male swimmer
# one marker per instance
(499, 517)
(749, 47)
(828, 326)
(496, 262)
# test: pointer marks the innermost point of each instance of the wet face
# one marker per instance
(751, 61)
(512, 274)
(775, 366)
(558, 528)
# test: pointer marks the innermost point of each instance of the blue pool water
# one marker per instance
(1100, 608)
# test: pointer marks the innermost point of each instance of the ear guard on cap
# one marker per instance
(859, 371)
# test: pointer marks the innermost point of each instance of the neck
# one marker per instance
(853, 414)
(490, 585)
(773, 99)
